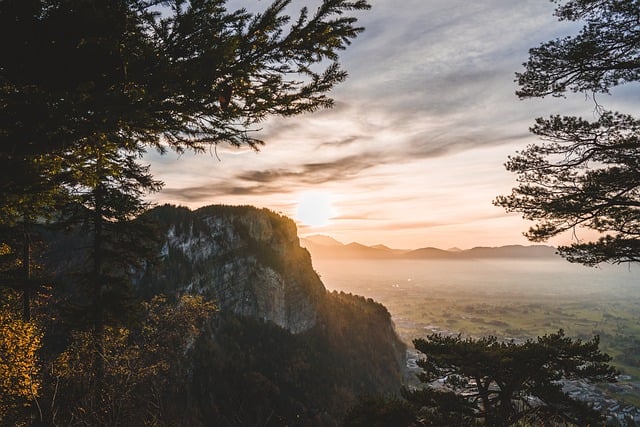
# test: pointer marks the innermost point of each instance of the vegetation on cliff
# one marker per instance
(178, 359)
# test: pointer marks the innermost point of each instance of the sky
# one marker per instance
(413, 152)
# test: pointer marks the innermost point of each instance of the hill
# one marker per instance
(321, 239)
(325, 247)
(511, 251)
(283, 350)
(340, 250)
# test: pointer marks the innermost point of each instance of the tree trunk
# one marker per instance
(97, 279)
(26, 273)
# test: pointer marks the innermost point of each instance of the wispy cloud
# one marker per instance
(413, 149)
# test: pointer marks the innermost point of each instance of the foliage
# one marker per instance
(502, 383)
(586, 173)
(604, 54)
(182, 71)
(20, 381)
(379, 412)
(146, 370)
(106, 195)
(251, 372)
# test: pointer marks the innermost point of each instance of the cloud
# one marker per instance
(411, 225)
(419, 131)
(348, 140)
(214, 190)
(314, 173)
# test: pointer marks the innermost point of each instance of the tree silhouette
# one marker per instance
(585, 173)
(86, 86)
(502, 383)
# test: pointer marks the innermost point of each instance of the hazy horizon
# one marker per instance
(426, 245)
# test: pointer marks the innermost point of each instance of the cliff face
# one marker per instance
(281, 350)
(249, 260)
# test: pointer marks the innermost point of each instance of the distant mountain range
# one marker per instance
(321, 246)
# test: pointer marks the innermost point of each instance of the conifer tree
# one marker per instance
(106, 197)
(30, 196)
(503, 383)
(184, 73)
(584, 173)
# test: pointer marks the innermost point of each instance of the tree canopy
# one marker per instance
(180, 72)
(501, 383)
(584, 173)
(87, 86)
(605, 53)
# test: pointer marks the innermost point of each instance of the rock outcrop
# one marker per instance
(249, 260)
(280, 350)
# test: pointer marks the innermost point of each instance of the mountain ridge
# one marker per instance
(355, 250)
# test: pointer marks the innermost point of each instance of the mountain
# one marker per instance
(325, 247)
(383, 247)
(282, 350)
(321, 239)
(511, 251)
(246, 259)
(431, 253)
(388, 249)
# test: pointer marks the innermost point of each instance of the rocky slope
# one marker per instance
(280, 350)
(307, 354)
(248, 260)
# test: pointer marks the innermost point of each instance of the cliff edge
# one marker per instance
(248, 260)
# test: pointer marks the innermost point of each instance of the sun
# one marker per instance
(314, 209)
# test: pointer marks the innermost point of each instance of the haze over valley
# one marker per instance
(322, 246)
(513, 292)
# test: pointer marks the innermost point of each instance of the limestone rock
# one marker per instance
(249, 260)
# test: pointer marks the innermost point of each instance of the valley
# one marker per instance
(513, 300)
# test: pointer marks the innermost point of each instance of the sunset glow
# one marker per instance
(413, 152)
(314, 209)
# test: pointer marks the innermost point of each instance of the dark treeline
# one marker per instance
(86, 87)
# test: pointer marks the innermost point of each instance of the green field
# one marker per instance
(616, 322)
(452, 303)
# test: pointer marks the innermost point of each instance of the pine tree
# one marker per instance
(107, 186)
(584, 173)
(503, 383)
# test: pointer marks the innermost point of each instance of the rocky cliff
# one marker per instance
(248, 260)
(306, 354)
(280, 350)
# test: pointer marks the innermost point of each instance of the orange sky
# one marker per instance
(412, 154)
